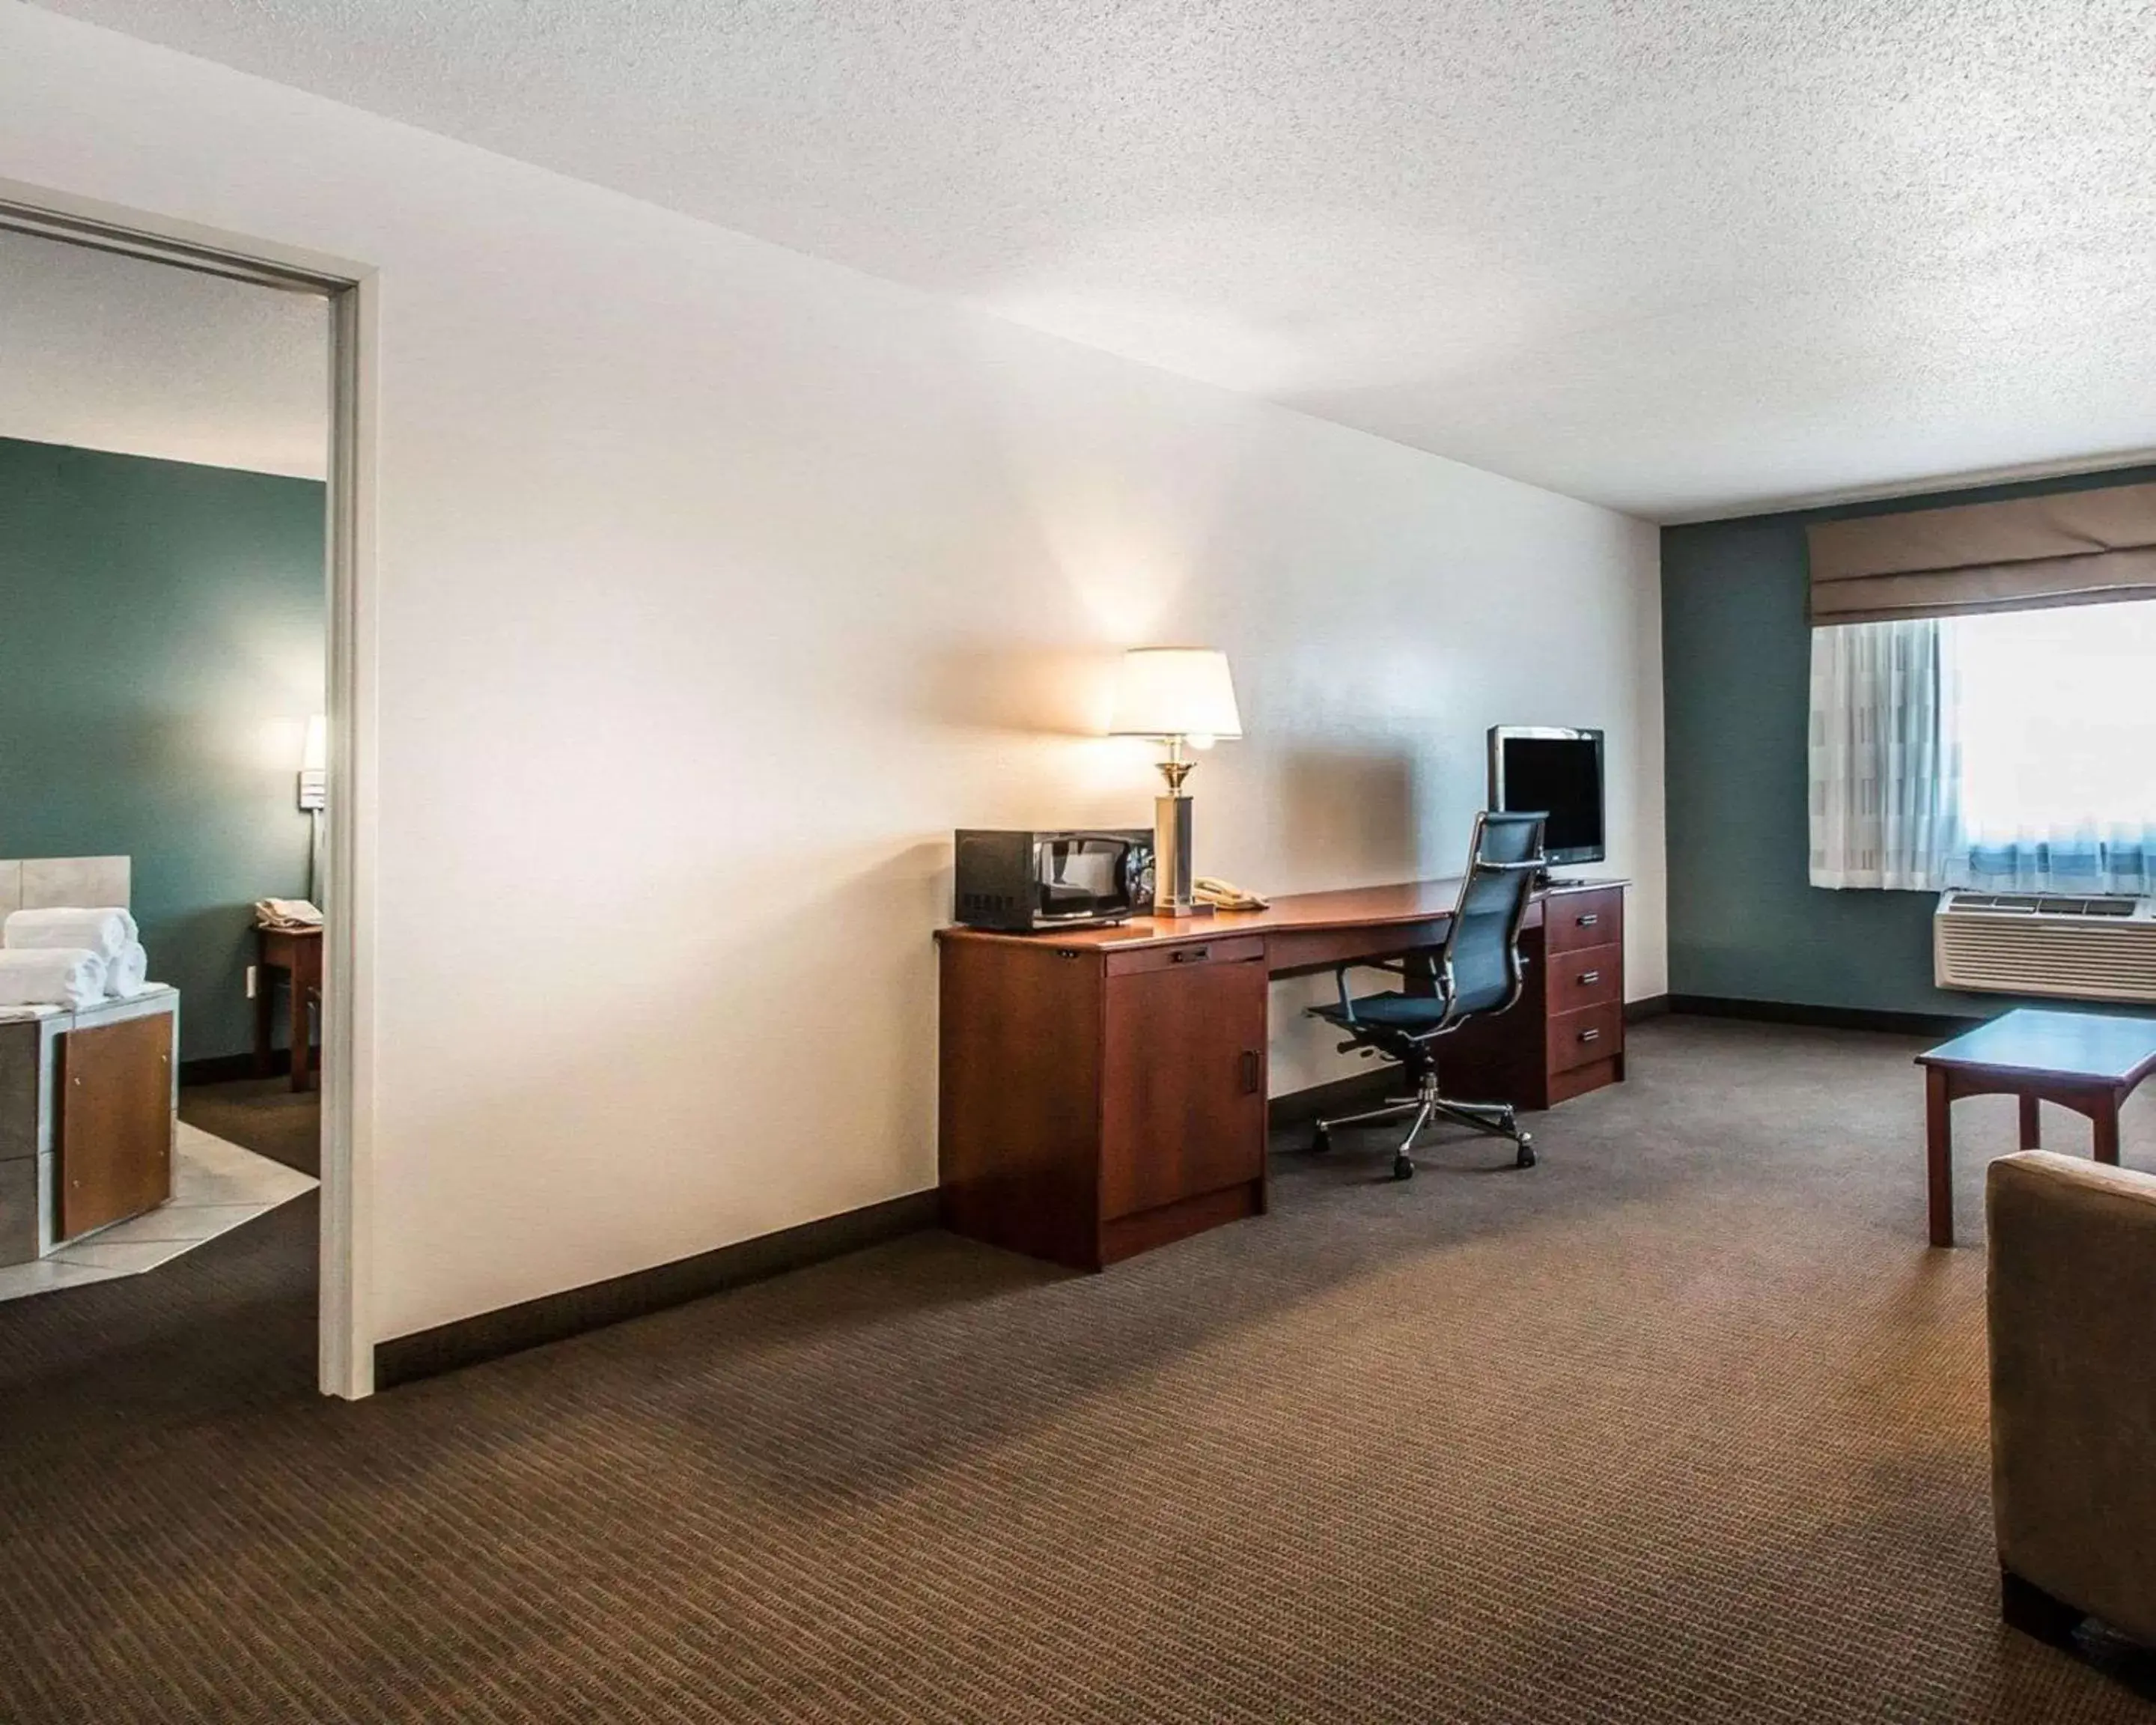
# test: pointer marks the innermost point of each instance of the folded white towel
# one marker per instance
(103, 931)
(128, 973)
(51, 976)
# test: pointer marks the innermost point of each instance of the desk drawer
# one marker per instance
(1580, 1039)
(1191, 955)
(1292, 950)
(1573, 919)
(1592, 976)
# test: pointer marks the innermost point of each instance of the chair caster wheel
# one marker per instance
(1321, 1140)
(1403, 1168)
(1526, 1158)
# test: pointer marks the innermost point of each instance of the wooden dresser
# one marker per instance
(1102, 1091)
(1566, 1035)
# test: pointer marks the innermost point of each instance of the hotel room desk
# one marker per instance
(1102, 1091)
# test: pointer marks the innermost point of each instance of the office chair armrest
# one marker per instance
(1397, 965)
(1391, 967)
(1340, 982)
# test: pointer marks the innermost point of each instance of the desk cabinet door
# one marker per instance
(1183, 1082)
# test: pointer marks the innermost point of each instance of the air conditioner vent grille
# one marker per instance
(2092, 948)
(2035, 904)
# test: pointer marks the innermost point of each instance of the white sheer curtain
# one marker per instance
(1885, 766)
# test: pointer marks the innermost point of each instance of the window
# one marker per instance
(2055, 714)
(2015, 750)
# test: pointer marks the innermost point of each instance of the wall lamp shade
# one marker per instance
(1175, 691)
(315, 765)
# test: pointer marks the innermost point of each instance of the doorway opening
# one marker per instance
(182, 454)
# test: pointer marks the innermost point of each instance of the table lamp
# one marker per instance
(1182, 696)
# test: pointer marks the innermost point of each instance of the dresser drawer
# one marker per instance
(1580, 1039)
(1574, 920)
(1591, 976)
(1192, 955)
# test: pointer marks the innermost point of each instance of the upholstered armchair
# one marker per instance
(2073, 1393)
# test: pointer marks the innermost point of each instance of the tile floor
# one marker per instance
(216, 1187)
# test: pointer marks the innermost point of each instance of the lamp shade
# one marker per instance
(1175, 691)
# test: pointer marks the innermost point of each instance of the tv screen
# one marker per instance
(1557, 773)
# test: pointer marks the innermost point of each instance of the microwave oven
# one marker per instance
(1018, 882)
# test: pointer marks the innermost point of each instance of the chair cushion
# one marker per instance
(1389, 1012)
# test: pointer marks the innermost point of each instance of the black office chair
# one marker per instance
(1477, 970)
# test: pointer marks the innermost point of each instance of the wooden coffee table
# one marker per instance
(2081, 1061)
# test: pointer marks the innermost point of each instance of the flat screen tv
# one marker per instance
(1545, 770)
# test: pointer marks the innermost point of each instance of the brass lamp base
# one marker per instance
(1172, 839)
(1172, 871)
(1171, 855)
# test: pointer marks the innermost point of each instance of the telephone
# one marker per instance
(1224, 895)
(286, 913)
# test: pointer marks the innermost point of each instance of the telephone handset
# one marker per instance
(1224, 895)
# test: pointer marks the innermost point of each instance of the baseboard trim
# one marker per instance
(1826, 1018)
(227, 1069)
(555, 1317)
(1655, 1006)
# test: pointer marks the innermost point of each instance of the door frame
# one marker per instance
(344, 1356)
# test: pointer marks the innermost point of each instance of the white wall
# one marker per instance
(101, 352)
(718, 584)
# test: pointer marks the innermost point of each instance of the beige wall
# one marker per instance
(718, 584)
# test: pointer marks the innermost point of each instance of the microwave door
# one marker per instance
(1081, 877)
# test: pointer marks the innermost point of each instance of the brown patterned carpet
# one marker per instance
(1686, 1424)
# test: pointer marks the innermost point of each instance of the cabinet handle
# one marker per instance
(1187, 955)
(1588, 979)
(1589, 919)
(1590, 1036)
(1250, 1065)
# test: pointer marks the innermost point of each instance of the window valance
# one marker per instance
(2068, 548)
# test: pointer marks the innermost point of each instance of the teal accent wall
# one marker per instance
(1745, 923)
(162, 644)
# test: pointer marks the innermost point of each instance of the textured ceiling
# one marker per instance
(1679, 256)
(106, 352)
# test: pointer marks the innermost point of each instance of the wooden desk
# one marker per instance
(2081, 1060)
(298, 952)
(1103, 1091)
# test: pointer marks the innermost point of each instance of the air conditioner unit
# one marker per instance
(2077, 947)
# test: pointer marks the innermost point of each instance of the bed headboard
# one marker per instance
(42, 883)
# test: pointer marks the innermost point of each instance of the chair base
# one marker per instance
(2026, 1607)
(1498, 1119)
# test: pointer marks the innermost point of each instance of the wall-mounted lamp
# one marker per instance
(1181, 695)
(315, 791)
(315, 766)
